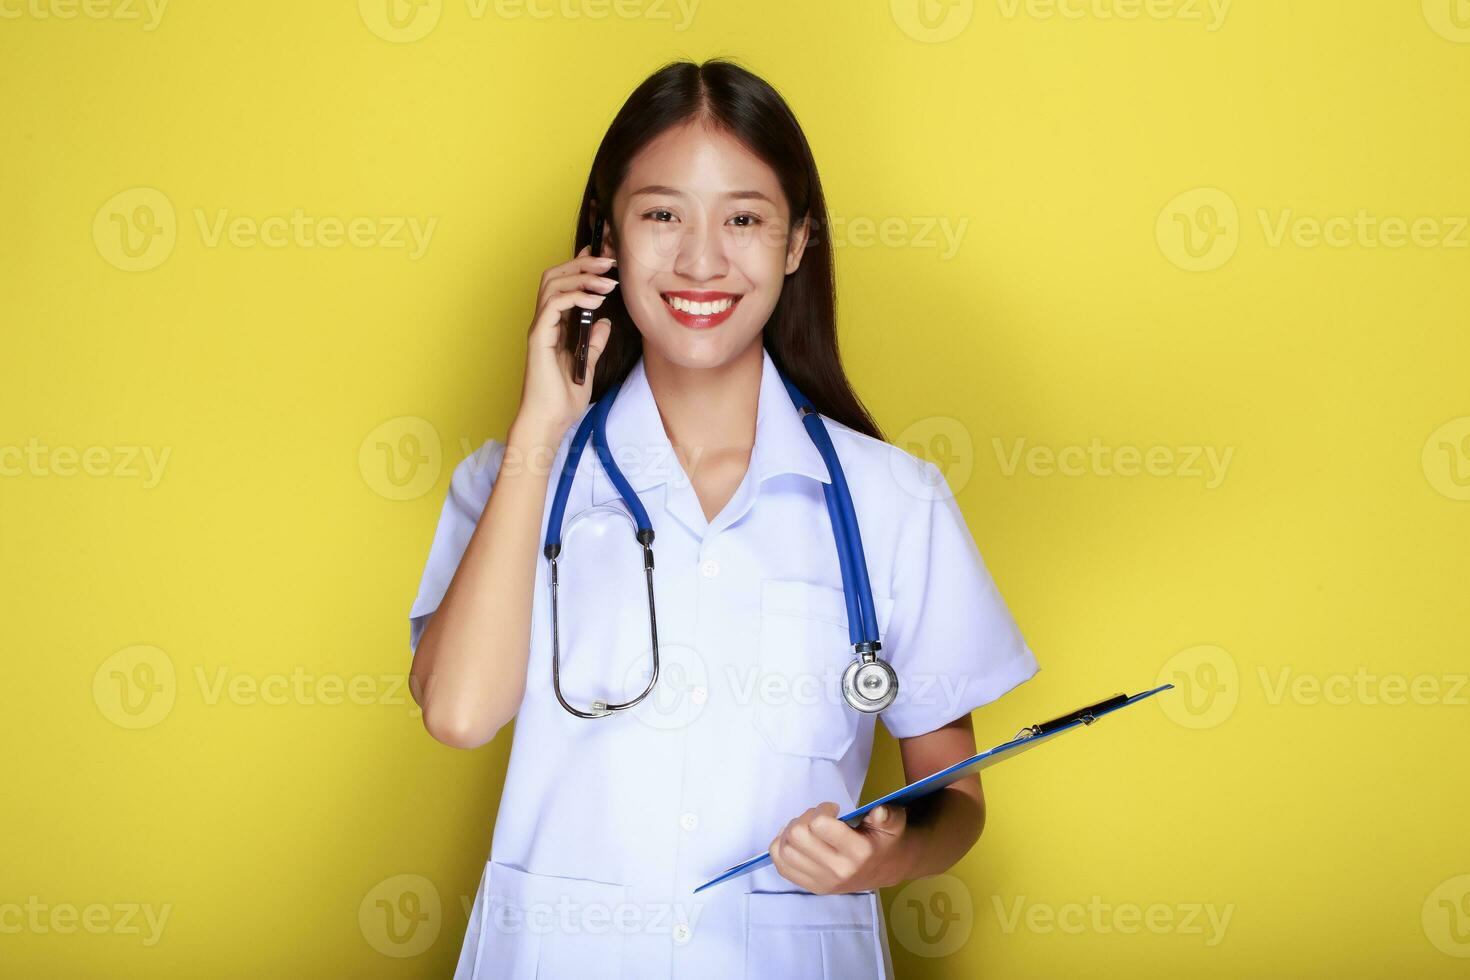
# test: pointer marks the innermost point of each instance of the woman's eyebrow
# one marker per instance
(755, 195)
(658, 189)
(675, 192)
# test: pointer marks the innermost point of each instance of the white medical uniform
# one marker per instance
(607, 825)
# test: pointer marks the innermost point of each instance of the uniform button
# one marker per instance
(699, 695)
(710, 568)
(682, 932)
(688, 821)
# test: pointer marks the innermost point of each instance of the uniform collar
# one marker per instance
(641, 447)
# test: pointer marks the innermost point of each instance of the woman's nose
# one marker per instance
(702, 253)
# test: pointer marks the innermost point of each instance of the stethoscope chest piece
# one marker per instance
(869, 684)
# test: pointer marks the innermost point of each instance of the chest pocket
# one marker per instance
(802, 652)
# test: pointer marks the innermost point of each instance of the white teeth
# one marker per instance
(699, 309)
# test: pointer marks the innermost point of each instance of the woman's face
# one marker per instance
(702, 245)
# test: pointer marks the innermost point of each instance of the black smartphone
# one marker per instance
(582, 320)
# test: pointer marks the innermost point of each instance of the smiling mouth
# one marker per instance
(700, 309)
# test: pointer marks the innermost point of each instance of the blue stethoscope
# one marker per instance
(869, 684)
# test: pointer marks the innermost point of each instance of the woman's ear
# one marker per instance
(796, 244)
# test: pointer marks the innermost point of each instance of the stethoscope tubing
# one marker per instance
(614, 473)
(857, 588)
(862, 619)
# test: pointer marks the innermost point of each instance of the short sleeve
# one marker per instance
(950, 635)
(469, 489)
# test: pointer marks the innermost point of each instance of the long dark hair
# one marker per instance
(801, 334)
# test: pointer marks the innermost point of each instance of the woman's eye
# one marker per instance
(747, 220)
(660, 212)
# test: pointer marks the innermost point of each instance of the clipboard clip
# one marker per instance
(1087, 715)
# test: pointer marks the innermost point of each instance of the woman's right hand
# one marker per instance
(550, 400)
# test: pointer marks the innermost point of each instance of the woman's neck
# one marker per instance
(709, 416)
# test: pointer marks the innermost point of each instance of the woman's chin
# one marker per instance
(693, 349)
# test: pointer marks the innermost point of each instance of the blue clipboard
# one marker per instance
(1029, 738)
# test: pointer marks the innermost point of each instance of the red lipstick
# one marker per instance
(696, 302)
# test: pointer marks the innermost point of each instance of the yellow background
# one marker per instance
(270, 817)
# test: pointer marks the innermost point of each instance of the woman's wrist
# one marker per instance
(531, 433)
(907, 860)
(940, 830)
(531, 444)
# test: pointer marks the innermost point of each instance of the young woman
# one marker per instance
(745, 740)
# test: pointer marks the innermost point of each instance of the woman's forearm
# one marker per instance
(941, 829)
(469, 670)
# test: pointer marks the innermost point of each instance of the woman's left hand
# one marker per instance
(827, 857)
